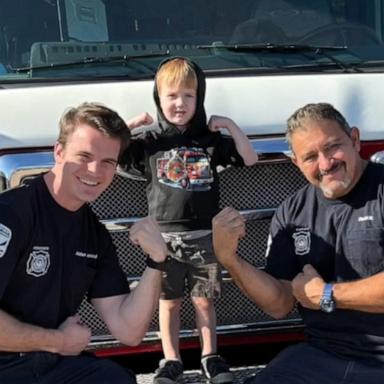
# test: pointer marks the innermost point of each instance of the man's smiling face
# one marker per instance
(327, 156)
(85, 166)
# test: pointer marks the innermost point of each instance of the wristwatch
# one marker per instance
(161, 266)
(327, 302)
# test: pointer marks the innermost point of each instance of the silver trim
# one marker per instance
(268, 146)
(105, 341)
(378, 157)
(122, 224)
(14, 167)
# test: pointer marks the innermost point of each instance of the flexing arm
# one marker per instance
(69, 339)
(272, 295)
(128, 316)
(143, 119)
(242, 143)
(365, 295)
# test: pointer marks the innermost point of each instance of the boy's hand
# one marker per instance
(146, 233)
(216, 122)
(143, 119)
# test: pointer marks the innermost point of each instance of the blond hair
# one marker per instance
(176, 72)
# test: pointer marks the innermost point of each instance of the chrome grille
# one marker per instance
(262, 186)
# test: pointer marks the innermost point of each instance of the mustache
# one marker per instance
(333, 168)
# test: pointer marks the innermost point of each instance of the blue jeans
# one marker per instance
(304, 364)
(49, 368)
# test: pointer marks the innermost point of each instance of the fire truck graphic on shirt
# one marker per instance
(185, 168)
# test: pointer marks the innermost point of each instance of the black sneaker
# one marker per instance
(216, 370)
(168, 372)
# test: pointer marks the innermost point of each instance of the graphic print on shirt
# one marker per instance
(5, 238)
(302, 241)
(38, 261)
(185, 168)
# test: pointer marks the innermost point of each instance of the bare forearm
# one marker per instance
(16, 336)
(365, 295)
(243, 145)
(272, 295)
(137, 309)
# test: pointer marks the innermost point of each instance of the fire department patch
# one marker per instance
(38, 262)
(302, 239)
(5, 238)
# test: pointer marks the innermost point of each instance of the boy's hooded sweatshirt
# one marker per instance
(180, 167)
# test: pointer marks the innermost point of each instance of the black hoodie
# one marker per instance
(180, 167)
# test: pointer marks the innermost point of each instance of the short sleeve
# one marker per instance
(11, 243)
(110, 279)
(227, 153)
(133, 158)
(282, 261)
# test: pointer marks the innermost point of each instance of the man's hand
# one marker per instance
(307, 287)
(146, 233)
(228, 227)
(76, 336)
(143, 119)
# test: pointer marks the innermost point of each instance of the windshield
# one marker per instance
(53, 39)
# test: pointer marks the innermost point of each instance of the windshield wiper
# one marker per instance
(287, 48)
(94, 60)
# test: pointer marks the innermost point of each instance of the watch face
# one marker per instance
(327, 305)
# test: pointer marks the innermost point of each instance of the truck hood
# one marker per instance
(259, 105)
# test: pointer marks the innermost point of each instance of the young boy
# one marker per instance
(179, 160)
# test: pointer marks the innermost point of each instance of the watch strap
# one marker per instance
(328, 291)
(160, 266)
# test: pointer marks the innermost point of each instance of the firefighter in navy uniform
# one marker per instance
(325, 253)
(54, 252)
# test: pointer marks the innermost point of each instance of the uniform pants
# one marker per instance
(305, 364)
(49, 368)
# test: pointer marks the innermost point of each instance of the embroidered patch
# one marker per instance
(302, 239)
(38, 262)
(5, 238)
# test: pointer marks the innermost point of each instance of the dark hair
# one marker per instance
(319, 111)
(97, 116)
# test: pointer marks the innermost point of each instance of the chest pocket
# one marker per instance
(365, 251)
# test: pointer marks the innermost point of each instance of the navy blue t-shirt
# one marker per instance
(51, 258)
(343, 240)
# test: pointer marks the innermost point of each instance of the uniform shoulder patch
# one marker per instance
(5, 238)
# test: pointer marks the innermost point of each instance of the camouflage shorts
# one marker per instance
(193, 265)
